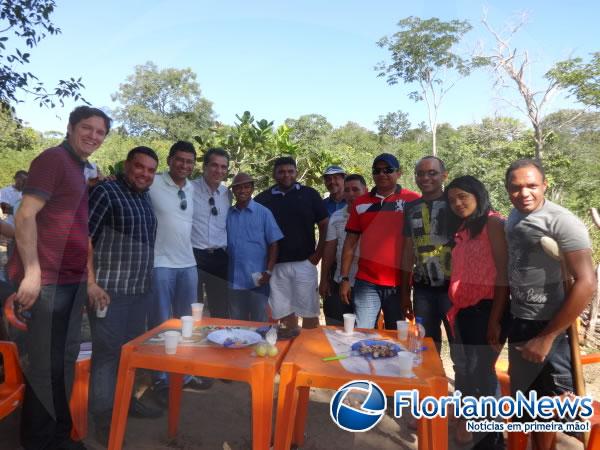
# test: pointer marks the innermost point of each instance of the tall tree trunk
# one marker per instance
(538, 137)
(434, 140)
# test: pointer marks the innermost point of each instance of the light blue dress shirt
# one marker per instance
(250, 231)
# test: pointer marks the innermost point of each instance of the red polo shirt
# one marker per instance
(56, 176)
(380, 221)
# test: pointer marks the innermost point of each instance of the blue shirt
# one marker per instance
(333, 206)
(250, 231)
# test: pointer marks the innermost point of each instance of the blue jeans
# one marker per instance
(173, 291)
(124, 321)
(370, 298)
(249, 304)
(432, 305)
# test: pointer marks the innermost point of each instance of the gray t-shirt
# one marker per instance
(535, 279)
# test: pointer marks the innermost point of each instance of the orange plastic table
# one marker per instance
(304, 368)
(208, 361)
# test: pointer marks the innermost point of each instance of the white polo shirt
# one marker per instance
(173, 236)
(209, 231)
(10, 195)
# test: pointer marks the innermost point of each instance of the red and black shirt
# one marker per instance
(380, 221)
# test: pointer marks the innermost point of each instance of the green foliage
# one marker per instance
(393, 124)
(162, 104)
(28, 22)
(581, 79)
(421, 48)
(423, 52)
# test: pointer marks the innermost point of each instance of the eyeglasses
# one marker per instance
(386, 170)
(183, 200)
(427, 173)
(213, 210)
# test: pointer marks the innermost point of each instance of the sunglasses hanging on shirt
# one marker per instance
(213, 210)
(182, 200)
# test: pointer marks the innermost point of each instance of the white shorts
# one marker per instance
(294, 290)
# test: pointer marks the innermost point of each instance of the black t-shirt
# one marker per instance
(296, 213)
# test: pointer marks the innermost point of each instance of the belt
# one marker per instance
(210, 251)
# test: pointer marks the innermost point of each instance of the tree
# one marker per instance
(507, 61)
(422, 53)
(582, 80)
(393, 124)
(29, 22)
(162, 103)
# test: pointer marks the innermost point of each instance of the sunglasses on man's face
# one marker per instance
(213, 210)
(386, 170)
(182, 199)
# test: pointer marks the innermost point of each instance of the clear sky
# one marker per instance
(282, 59)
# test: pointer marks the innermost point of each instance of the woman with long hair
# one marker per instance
(477, 283)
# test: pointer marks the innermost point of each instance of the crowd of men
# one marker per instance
(140, 248)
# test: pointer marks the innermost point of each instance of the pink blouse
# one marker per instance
(473, 270)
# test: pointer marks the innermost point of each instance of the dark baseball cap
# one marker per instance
(389, 159)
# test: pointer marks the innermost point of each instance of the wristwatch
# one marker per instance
(346, 279)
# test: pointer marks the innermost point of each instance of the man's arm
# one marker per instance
(497, 239)
(26, 238)
(273, 250)
(580, 266)
(406, 268)
(6, 229)
(97, 296)
(316, 256)
(347, 256)
(326, 265)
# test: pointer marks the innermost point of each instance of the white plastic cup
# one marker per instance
(197, 309)
(187, 326)
(402, 329)
(256, 276)
(171, 341)
(101, 312)
(405, 361)
(349, 320)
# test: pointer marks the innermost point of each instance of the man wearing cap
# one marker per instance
(297, 209)
(329, 287)
(252, 235)
(333, 177)
(377, 219)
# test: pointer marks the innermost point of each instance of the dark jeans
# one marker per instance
(124, 321)
(481, 380)
(371, 298)
(551, 377)
(249, 304)
(52, 343)
(333, 307)
(432, 305)
(212, 280)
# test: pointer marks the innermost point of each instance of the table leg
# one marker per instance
(287, 400)
(175, 388)
(301, 413)
(261, 384)
(125, 379)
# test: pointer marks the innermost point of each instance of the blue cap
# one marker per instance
(388, 158)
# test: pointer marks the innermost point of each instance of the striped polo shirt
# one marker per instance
(56, 176)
